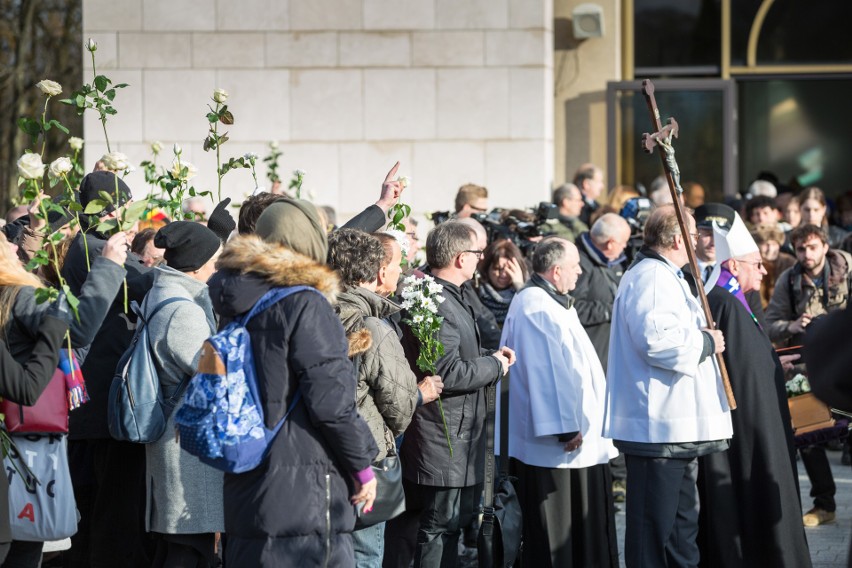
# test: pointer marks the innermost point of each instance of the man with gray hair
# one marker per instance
(665, 404)
(442, 487)
(556, 407)
(569, 200)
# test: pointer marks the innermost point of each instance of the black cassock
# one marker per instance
(751, 511)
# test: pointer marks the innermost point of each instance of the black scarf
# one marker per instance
(564, 300)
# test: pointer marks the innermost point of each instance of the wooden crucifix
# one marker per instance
(661, 139)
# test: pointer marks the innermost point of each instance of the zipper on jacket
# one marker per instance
(327, 519)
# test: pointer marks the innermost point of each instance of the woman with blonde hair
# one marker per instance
(814, 209)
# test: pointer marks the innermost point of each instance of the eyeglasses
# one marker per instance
(477, 209)
(478, 253)
(757, 263)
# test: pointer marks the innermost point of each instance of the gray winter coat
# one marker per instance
(184, 495)
(387, 388)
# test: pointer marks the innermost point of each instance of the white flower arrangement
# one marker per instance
(798, 385)
(421, 297)
(49, 88)
(115, 161)
(76, 143)
(60, 167)
(30, 166)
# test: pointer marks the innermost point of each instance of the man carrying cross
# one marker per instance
(665, 404)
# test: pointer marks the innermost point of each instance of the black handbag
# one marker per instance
(500, 535)
(390, 497)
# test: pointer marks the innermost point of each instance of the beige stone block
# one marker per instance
(260, 102)
(321, 166)
(326, 15)
(447, 49)
(531, 103)
(399, 104)
(473, 103)
(301, 49)
(252, 15)
(517, 48)
(218, 50)
(326, 105)
(531, 14)
(399, 14)
(440, 168)
(111, 16)
(376, 49)
(106, 56)
(126, 126)
(155, 50)
(518, 174)
(363, 167)
(179, 15)
(175, 104)
(471, 14)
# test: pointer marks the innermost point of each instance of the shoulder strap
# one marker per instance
(139, 312)
(491, 398)
(272, 297)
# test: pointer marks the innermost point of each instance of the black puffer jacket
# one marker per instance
(293, 510)
(594, 295)
(466, 370)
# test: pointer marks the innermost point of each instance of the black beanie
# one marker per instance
(221, 222)
(96, 182)
(189, 245)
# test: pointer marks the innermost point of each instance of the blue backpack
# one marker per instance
(221, 419)
(136, 409)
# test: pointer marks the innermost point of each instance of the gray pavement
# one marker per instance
(829, 543)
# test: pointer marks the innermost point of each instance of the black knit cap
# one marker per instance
(189, 245)
(221, 222)
(96, 182)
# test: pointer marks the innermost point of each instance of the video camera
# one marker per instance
(636, 211)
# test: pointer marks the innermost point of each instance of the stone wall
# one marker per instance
(457, 91)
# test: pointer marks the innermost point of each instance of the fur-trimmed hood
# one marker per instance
(249, 267)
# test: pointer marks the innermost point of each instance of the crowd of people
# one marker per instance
(588, 319)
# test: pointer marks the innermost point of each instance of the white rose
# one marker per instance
(404, 181)
(49, 88)
(177, 149)
(273, 145)
(30, 166)
(220, 96)
(75, 143)
(115, 161)
(191, 170)
(59, 167)
(156, 146)
(250, 156)
(92, 45)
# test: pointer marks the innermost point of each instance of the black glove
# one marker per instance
(60, 309)
(221, 222)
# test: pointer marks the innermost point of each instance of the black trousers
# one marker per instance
(662, 513)
(109, 486)
(822, 480)
(430, 528)
(569, 518)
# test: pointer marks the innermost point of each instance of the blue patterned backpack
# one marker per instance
(221, 419)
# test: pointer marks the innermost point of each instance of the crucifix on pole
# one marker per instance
(661, 139)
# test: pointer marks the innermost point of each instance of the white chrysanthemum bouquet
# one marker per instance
(421, 297)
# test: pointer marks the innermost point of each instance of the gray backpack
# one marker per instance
(137, 411)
